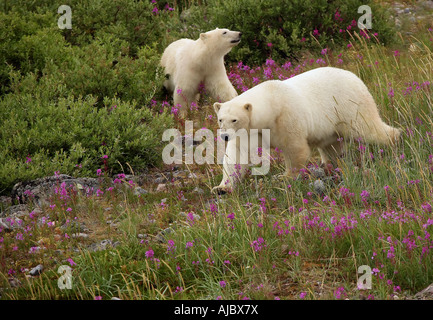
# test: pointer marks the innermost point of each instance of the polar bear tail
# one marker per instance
(384, 134)
(393, 135)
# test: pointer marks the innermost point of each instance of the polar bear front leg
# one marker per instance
(220, 88)
(233, 170)
(183, 98)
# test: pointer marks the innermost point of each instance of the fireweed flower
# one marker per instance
(258, 244)
(71, 262)
(263, 205)
(171, 248)
(149, 254)
(339, 292)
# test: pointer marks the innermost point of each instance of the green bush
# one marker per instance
(101, 67)
(282, 29)
(69, 97)
(16, 48)
(71, 135)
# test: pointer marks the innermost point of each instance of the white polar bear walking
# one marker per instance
(191, 62)
(312, 109)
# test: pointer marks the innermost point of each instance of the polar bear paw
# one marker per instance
(221, 190)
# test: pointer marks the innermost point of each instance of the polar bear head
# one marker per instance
(220, 40)
(232, 118)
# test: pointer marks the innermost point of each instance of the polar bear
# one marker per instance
(313, 109)
(188, 63)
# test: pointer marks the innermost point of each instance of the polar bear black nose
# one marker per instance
(225, 136)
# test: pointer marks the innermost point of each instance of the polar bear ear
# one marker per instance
(217, 107)
(248, 107)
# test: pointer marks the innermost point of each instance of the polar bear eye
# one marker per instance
(234, 120)
(224, 32)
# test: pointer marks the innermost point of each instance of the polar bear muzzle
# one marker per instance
(225, 136)
(238, 39)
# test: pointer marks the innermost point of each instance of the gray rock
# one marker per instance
(319, 187)
(39, 190)
(80, 235)
(16, 210)
(14, 283)
(160, 180)
(303, 213)
(317, 173)
(428, 4)
(74, 226)
(5, 200)
(198, 190)
(185, 215)
(10, 223)
(425, 294)
(103, 245)
(35, 249)
(139, 190)
(36, 270)
(160, 237)
(161, 187)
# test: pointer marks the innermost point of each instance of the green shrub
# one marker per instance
(282, 29)
(18, 51)
(71, 135)
(68, 97)
(134, 22)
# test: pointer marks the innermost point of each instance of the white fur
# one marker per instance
(190, 62)
(310, 110)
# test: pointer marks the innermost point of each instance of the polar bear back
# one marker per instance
(318, 103)
(334, 95)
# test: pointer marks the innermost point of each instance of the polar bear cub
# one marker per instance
(188, 63)
(312, 109)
